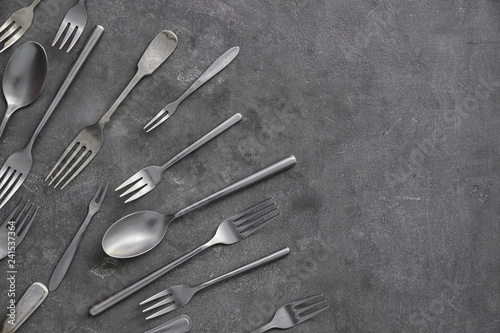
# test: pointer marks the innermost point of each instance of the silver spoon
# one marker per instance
(23, 78)
(140, 232)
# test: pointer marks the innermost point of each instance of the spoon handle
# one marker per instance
(105, 118)
(254, 264)
(271, 170)
(206, 138)
(4, 122)
(160, 48)
(75, 68)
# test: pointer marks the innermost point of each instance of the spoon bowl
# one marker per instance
(24, 78)
(135, 234)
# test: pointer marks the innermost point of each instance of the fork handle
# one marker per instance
(257, 263)
(211, 71)
(265, 328)
(138, 285)
(75, 68)
(34, 4)
(271, 170)
(65, 261)
(107, 116)
(206, 138)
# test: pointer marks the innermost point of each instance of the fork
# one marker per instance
(169, 110)
(65, 261)
(180, 295)
(15, 170)
(12, 231)
(148, 178)
(19, 23)
(85, 146)
(291, 314)
(230, 231)
(75, 20)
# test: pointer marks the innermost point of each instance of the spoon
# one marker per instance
(23, 78)
(140, 232)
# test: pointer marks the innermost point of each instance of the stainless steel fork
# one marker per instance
(65, 261)
(169, 110)
(295, 313)
(147, 179)
(12, 231)
(180, 295)
(85, 146)
(230, 231)
(75, 20)
(17, 167)
(17, 24)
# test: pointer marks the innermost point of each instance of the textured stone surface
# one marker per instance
(391, 108)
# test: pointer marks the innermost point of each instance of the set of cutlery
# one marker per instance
(139, 232)
(90, 140)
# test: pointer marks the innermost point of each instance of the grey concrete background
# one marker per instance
(391, 108)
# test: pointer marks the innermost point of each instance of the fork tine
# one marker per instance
(137, 186)
(8, 185)
(99, 195)
(62, 27)
(25, 230)
(77, 172)
(159, 122)
(69, 32)
(74, 145)
(19, 225)
(139, 194)
(261, 211)
(308, 307)
(162, 312)
(249, 209)
(9, 218)
(96, 195)
(156, 296)
(21, 213)
(137, 176)
(6, 172)
(248, 232)
(166, 301)
(103, 195)
(13, 190)
(9, 32)
(13, 39)
(77, 35)
(154, 119)
(304, 300)
(71, 163)
(309, 316)
(6, 24)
